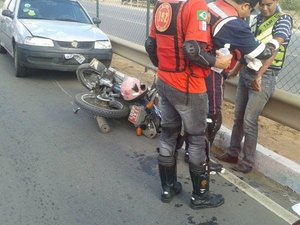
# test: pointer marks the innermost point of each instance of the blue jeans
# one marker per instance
(177, 109)
(248, 106)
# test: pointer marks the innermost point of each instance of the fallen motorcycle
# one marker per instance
(113, 96)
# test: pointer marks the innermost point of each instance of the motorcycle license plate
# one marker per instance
(134, 114)
(79, 58)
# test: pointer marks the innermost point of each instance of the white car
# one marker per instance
(51, 34)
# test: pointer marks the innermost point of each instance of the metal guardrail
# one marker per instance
(283, 107)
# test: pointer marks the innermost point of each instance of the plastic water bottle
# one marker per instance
(223, 51)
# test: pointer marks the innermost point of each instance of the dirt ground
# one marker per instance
(272, 135)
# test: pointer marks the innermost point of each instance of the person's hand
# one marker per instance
(256, 84)
(222, 61)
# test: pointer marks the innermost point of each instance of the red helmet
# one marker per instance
(132, 88)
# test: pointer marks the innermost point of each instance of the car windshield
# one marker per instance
(65, 10)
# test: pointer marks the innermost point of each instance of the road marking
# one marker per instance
(61, 88)
(261, 198)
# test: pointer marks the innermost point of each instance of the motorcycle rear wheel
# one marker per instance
(107, 109)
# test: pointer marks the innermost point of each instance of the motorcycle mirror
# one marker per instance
(96, 20)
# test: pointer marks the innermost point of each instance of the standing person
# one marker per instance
(178, 45)
(255, 89)
(228, 26)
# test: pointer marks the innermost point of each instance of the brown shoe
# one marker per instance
(228, 158)
(241, 167)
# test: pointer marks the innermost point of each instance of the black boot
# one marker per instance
(214, 167)
(201, 197)
(168, 176)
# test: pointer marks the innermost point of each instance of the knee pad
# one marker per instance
(201, 168)
(167, 160)
(197, 149)
(169, 139)
(195, 139)
(214, 126)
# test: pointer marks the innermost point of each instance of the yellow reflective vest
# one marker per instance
(264, 33)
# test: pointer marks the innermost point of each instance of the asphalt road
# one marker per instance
(56, 167)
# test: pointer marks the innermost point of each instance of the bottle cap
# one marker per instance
(227, 45)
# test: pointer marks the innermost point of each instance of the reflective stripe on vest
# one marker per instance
(169, 35)
(264, 33)
(221, 13)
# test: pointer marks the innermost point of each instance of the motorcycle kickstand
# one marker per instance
(103, 124)
(75, 111)
(75, 108)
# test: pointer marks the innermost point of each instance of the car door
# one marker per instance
(2, 20)
(7, 27)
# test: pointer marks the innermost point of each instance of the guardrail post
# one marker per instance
(97, 10)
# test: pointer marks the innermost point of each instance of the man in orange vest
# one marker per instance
(179, 45)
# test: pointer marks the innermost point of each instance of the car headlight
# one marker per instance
(36, 41)
(103, 44)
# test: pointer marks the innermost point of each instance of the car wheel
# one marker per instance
(20, 71)
(2, 50)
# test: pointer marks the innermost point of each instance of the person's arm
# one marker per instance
(256, 83)
(237, 33)
(151, 48)
(150, 45)
(197, 41)
(236, 69)
(282, 31)
(196, 53)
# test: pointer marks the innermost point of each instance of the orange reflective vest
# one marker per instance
(169, 35)
(173, 22)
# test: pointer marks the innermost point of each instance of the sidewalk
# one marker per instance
(269, 163)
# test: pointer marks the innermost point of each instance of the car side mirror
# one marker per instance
(7, 13)
(96, 20)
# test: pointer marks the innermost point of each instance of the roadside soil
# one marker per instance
(279, 138)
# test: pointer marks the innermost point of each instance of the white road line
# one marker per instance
(61, 88)
(261, 198)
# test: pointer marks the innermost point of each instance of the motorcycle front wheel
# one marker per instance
(88, 76)
(97, 107)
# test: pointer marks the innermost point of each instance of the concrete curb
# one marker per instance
(272, 165)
